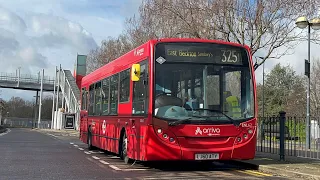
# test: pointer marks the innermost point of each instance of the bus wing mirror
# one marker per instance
(135, 72)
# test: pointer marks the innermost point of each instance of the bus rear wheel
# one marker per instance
(89, 140)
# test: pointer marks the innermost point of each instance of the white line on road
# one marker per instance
(71, 143)
(8, 130)
(87, 152)
(95, 157)
(81, 149)
(75, 145)
(114, 167)
(52, 135)
(103, 162)
(95, 152)
(135, 169)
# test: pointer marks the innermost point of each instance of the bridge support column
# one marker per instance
(35, 110)
(53, 100)
(40, 104)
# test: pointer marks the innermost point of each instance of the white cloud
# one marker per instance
(11, 21)
(55, 32)
(28, 41)
(36, 34)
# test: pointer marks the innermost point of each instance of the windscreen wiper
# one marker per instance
(215, 110)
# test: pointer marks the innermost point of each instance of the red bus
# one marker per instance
(173, 99)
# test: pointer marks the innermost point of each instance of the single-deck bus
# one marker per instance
(173, 99)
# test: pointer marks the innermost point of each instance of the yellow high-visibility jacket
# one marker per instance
(234, 104)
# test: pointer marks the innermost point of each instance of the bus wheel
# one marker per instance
(124, 149)
(89, 140)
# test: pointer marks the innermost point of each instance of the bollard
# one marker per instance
(282, 129)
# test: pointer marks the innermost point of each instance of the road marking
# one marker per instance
(87, 152)
(135, 169)
(75, 145)
(259, 173)
(103, 162)
(81, 149)
(95, 157)
(71, 143)
(95, 152)
(253, 173)
(114, 167)
(8, 130)
(52, 135)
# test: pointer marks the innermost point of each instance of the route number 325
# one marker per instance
(229, 56)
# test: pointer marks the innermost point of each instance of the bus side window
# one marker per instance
(114, 87)
(91, 100)
(84, 99)
(140, 92)
(105, 96)
(97, 100)
(125, 86)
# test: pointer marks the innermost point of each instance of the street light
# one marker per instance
(302, 22)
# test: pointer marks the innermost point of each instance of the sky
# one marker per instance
(36, 34)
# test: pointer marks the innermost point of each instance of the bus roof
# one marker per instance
(135, 55)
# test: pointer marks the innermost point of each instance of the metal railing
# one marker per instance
(27, 78)
(12, 122)
(70, 98)
(286, 136)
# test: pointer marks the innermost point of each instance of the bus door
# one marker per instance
(139, 110)
(84, 111)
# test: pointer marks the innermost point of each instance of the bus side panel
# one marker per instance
(143, 128)
(110, 139)
(103, 139)
(133, 137)
(111, 134)
(95, 131)
(83, 130)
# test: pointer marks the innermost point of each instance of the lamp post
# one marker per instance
(303, 22)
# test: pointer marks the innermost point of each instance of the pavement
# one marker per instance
(57, 154)
(295, 167)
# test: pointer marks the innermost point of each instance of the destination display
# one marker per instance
(201, 53)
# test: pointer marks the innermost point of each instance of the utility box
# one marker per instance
(69, 120)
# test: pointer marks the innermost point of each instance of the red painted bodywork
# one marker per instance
(144, 143)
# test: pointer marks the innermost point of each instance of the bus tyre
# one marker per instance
(90, 147)
(124, 149)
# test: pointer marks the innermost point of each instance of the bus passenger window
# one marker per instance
(124, 85)
(84, 99)
(97, 99)
(105, 96)
(114, 94)
(91, 100)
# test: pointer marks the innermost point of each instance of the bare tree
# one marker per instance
(315, 87)
(266, 26)
(110, 49)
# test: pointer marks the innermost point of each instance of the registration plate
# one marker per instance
(209, 156)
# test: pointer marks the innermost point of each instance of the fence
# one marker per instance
(286, 136)
(26, 123)
(27, 78)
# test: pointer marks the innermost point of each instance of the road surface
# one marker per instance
(28, 154)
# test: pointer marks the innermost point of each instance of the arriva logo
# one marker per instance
(209, 131)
